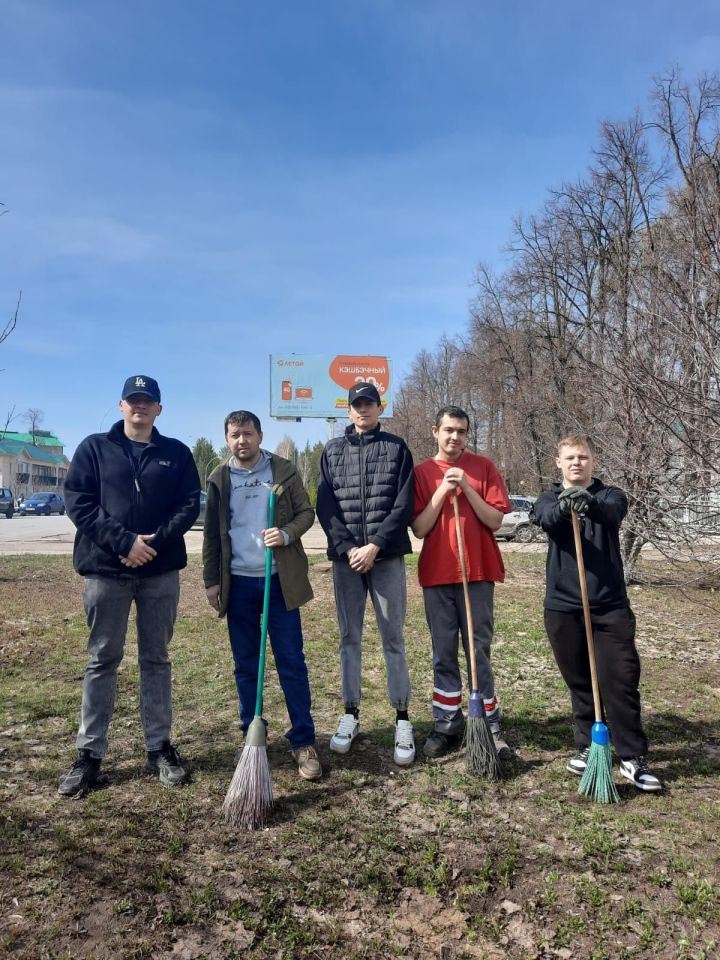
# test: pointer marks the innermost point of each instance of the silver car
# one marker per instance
(516, 524)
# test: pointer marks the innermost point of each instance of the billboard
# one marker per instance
(316, 385)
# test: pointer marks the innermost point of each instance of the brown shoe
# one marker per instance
(308, 763)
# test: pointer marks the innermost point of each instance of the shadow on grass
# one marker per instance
(685, 749)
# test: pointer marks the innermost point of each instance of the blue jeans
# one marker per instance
(244, 617)
(107, 603)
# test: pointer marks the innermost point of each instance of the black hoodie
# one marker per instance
(111, 500)
(601, 550)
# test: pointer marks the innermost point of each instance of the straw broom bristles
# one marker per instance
(249, 799)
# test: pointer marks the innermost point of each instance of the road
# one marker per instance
(55, 535)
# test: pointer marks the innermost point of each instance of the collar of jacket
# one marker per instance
(595, 485)
(116, 433)
(354, 436)
(282, 470)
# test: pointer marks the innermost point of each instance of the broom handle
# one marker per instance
(265, 612)
(586, 615)
(466, 593)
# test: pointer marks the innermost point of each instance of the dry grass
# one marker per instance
(371, 861)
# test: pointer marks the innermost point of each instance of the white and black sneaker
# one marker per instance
(637, 771)
(578, 763)
(404, 743)
(347, 729)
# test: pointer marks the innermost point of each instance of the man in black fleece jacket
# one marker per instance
(131, 494)
(601, 510)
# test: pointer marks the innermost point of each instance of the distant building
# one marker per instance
(28, 467)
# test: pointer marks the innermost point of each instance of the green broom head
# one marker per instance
(249, 799)
(481, 755)
(597, 781)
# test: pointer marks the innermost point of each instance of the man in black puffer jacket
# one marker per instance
(365, 504)
(132, 494)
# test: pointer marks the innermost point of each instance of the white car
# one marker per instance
(516, 524)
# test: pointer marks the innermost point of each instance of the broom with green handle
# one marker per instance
(597, 780)
(249, 799)
(481, 756)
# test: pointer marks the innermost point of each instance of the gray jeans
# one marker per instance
(388, 591)
(107, 603)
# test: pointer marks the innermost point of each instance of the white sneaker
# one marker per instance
(347, 729)
(404, 743)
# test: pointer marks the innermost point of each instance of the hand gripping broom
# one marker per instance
(249, 798)
(597, 780)
(481, 755)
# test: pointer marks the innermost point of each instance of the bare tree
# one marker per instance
(607, 322)
(11, 322)
(287, 448)
(34, 418)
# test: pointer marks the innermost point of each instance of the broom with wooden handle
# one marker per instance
(481, 756)
(597, 780)
(249, 799)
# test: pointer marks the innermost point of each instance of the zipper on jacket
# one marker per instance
(362, 488)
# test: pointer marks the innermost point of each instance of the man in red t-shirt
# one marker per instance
(483, 501)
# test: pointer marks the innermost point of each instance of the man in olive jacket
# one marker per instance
(236, 538)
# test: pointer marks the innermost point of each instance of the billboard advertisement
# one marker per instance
(316, 385)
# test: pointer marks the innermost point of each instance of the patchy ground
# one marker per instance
(371, 862)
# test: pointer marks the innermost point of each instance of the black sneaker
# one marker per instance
(167, 764)
(438, 744)
(637, 771)
(578, 763)
(504, 750)
(81, 777)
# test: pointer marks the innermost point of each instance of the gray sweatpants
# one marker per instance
(445, 614)
(388, 591)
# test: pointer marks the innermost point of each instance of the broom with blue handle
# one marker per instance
(597, 780)
(249, 799)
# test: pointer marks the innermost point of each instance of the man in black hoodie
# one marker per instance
(601, 510)
(132, 494)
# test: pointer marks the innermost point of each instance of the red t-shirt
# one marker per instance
(439, 558)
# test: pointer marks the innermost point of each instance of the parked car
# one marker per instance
(7, 502)
(201, 516)
(42, 504)
(516, 524)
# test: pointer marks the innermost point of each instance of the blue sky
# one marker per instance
(191, 185)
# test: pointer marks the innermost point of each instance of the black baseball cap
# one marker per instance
(144, 385)
(363, 391)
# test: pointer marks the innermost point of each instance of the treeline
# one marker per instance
(606, 322)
